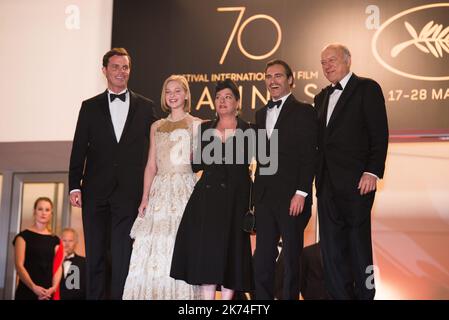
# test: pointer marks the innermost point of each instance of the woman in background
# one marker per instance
(35, 250)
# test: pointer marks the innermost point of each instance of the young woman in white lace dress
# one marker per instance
(168, 183)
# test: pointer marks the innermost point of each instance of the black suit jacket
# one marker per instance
(297, 139)
(356, 138)
(74, 294)
(98, 162)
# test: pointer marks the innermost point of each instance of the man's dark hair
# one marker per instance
(288, 70)
(115, 52)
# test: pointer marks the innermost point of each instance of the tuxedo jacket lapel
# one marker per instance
(131, 113)
(347, 92)
(286, 108)
(322, 107)
(263, 118)
(322, 116)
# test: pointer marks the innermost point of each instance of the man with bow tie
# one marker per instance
(352, 143)
(73, 280)
(283, 199)
(108, 158)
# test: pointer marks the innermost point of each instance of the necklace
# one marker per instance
(170, 117)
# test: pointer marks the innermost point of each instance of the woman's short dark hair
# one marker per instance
(115, 52)
(228, 84)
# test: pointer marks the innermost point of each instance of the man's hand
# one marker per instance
(75, 199)
(296, 205)
(367, 184)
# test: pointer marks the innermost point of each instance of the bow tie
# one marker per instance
(122, 96)
(271, 104)
(69, 259)
(336, 87)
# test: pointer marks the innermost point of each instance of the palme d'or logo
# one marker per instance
(433, 39)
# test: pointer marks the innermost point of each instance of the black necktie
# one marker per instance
(336, 87)
(271, 104)
(122, 96)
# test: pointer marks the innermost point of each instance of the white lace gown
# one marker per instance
(155, 233)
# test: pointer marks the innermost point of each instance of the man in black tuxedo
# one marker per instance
(283, 198)
(108, 158)
(73, 280)
(352, 143)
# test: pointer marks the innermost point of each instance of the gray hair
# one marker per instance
(339, 46)
(75, 234)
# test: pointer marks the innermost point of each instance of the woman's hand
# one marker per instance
(40, 292)
(142, 207)
(49, 293)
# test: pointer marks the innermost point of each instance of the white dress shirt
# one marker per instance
(119, 111)
(273, 114)
(272, 118)
(333, 98)
(67, 264)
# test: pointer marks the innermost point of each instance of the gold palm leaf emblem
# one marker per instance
(432, 39)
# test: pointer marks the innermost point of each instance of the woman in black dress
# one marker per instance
(211, 249)
(35, 250)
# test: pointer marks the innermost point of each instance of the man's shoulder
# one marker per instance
(321, 94)
(259, 111)
(364, 81)
(80, 259)
(304, 105)
(141, 98)
(95, 99)
(300, 105)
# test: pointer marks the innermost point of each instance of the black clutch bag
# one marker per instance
(249, 222)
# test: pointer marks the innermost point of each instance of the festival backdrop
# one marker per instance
(404, 45)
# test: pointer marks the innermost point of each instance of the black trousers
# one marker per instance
(345, 237)
(107, 223)
(273, 221)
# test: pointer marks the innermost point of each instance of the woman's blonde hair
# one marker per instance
(184, 84)
(44, 199)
